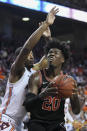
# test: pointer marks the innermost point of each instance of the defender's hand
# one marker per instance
(51, 15)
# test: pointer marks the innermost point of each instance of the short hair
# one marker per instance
(18, 51)
(55, 43)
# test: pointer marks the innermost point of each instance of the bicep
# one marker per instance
(19, 62)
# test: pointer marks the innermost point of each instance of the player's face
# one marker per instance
(30, 60)
(55, 57)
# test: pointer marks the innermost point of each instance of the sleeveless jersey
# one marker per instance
(12, 104)
(51, 108)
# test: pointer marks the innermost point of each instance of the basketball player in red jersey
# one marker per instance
(42, 101)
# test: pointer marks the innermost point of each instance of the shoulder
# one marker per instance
(15, 71)
(35, 77)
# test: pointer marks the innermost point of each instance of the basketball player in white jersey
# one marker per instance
(12, 111)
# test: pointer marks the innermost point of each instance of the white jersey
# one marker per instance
(66, 110)
(12, 104)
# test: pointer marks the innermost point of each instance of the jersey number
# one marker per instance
(51, 103)
(3, 125)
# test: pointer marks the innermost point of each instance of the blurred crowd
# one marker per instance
(76, 68)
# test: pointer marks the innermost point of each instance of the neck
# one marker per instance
(53, 71)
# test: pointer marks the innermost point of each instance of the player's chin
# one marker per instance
(51, 61)
(31, 63)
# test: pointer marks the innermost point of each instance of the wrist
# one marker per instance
(46, 23)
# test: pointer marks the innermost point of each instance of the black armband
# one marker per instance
(31, 101)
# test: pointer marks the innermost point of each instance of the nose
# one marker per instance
(31, 56)
(51, 54)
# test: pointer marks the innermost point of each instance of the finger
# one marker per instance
(56, 12)
(52, 9)
(73, 93)
(57, 9)
(75, 90)
(51, 84)
(40, 23)
(53, 93)
(52, 89)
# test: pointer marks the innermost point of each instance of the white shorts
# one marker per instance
(7, 123)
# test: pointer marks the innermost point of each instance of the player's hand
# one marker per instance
(49, 91)
(51, 15)
(43, 63)
(77, 125)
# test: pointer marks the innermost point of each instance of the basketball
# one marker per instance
(65, 84)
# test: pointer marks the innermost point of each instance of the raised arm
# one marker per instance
(43, 63)
(32, 40)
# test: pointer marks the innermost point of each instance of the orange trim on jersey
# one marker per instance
(40, 78)
(2, 77)
(0, 116)
(12, 129)
(8, 101)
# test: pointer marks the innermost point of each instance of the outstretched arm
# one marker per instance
(46, 33)
(43, 63)
(32, 40)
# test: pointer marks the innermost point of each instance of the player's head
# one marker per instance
(57, 52)
(30, 59)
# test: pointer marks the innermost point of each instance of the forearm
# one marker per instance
(75, 104)
(30, 43)
(35, 37)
